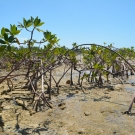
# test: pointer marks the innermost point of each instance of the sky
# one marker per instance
(80, 21)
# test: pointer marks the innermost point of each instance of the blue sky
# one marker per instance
(81, 21)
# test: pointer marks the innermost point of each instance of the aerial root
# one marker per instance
(41, 102)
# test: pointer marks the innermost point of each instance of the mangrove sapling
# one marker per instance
(40, 97)
(95, 57)
(49, 90)
(94, 75)
(115, 52)
(50, 84)
(71, 76)
(89, 76)
(57, 83)
(100, 81)
(18, 65)
(131, 72)
(79, 76)
(113, 70)
(107, 74)
(51, 39)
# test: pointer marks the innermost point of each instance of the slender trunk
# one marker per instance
(89, 77)
(131, 72)
(127, 73)
(100, 81)
(50, 84)
(71, 76)
(113, 70)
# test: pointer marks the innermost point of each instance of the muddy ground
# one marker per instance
(87, 111)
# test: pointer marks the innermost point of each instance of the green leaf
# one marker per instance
(39, 30)
(6, 37)
(24, 22)
(7, 42)
(32, 19)
(94, 75)
(11, 39)
(2, 31)
(9, 48)
(47, 35)
(13, 28)
(40, 24)
(74, 44)
(57, 51)
(20, 25)
(96, 66)
(2, 42)
(36, 21)
(2, 48)
(17, 32)
(29, 24)
(7, 30)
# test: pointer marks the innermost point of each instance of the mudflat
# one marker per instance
(89, 110)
